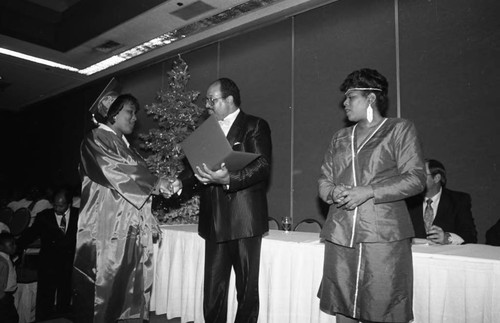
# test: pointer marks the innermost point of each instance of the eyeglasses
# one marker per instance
(211, 101)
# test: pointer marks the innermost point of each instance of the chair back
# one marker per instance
(20, 221)
(273, 223)
(308, 225)
(6, 215)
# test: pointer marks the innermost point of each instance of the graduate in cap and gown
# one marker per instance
(113, 268)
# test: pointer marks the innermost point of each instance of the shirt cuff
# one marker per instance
(455, 239)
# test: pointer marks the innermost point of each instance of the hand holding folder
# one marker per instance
(208, 145)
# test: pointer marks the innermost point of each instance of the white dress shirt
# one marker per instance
(228, 121)
(226, 125)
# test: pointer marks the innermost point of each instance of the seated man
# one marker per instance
(441, 215)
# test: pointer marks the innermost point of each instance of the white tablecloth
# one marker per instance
(452, 283)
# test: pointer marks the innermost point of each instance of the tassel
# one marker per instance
(369, 113)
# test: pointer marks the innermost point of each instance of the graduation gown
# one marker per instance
(113, 270)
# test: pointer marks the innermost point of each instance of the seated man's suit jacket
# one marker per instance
(453, 215)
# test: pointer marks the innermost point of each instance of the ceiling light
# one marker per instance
(36, 60)
(154, 43)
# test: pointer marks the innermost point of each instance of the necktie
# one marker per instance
(62, 225)
(428, 215)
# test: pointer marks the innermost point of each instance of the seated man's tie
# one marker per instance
(428, 215)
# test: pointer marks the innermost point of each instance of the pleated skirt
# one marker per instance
(373, 281)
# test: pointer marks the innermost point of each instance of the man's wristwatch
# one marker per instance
(447, 238)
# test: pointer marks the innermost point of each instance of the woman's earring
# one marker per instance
(369, 113)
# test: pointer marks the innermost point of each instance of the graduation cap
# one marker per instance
(106, 98)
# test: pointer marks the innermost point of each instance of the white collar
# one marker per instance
(231, 117)
(65, 213)
(107, 128)
(435, 199)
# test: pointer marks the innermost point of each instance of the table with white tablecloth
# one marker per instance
(452, 283)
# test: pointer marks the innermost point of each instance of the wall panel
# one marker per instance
(260, 63)
(450, 71)
(330, 43)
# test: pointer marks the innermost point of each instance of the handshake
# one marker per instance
(169, 186)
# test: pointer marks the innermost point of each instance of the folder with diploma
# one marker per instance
(208, 145)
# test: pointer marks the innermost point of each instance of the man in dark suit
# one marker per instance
(56, 228)
(448, 212)
(233, 208)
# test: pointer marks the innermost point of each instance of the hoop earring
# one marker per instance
(369, 113)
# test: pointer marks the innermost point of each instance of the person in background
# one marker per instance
(34, 201)
(113, 267)
(42, 201)
(4, 227)
(8, 280)
(18, 198)
(367, 172)
(493, 235)
(441, 215)
(5, 211)
(233, 208)
(56, 229)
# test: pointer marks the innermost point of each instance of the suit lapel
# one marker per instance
(53, 219)
(236, 128)
(73, 219)
(443, 207)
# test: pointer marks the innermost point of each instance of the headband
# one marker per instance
(362, 89)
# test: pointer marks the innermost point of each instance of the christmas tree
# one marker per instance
(176, 115)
